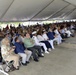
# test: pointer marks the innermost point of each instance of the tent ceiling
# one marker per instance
(52, 8)
(26, 10)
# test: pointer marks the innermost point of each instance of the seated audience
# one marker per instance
(25, 54)
(39, 43)
(53, 37)
(41, 39)
(57, 34)
(30, 45)
(44, 35)
(8, 53)
(63, 33)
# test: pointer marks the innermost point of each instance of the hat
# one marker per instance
(34, 32)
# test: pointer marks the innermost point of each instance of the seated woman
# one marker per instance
(44, 35)
(8, 53)
(41, 39)
(25, 54)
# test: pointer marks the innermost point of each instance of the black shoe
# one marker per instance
(63, 40)
(24, 64)
(27, 62)
(36, 60)
(41, 56)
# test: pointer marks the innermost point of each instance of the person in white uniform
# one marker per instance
(68, 32)
(58, 36)
(39, 43)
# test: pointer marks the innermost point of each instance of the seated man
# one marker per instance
(30, 44)
(8, 53)
(51, 36)
(25, 54)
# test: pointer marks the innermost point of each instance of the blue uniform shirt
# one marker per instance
(19, 48)
(50, 35)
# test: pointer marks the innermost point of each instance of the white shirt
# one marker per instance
(36, 40)
(40, 38)
(56, 32)
(71, 26)
(62, 31)
(45, 36)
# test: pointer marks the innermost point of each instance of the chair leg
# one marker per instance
(1, 68)
(4, 72)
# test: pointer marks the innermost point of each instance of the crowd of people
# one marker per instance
(33, 41)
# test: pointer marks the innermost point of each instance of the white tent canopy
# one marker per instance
(37, 10)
